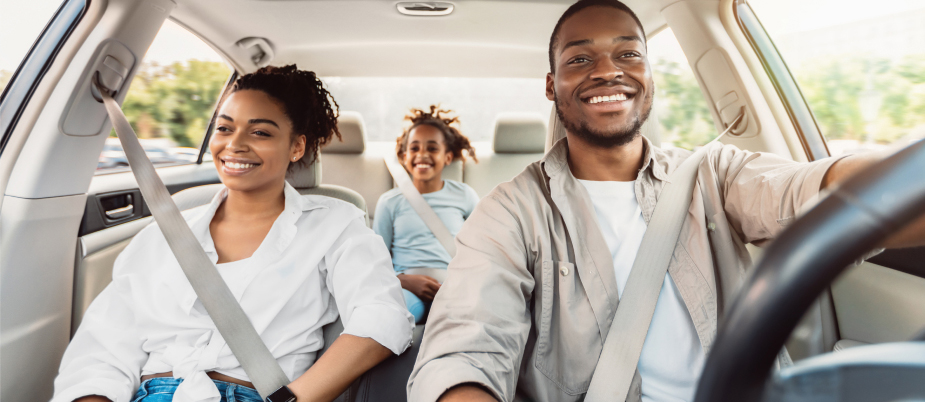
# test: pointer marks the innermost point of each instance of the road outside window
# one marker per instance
(170, 101)
(861, 67)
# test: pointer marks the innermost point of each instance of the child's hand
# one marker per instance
(422, 286)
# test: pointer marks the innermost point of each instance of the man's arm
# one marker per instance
(480, 319)
(912, 235)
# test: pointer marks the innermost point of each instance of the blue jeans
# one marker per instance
(415, 305)
(161, 390)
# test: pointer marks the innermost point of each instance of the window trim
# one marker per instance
(788, 90)
(204, 146)
(35, 65)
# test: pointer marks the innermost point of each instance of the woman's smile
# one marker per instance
(235, 167)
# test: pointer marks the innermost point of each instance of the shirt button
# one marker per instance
(563, 271)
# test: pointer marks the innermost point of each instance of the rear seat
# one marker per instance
(347, 164)
(358, 165)
(518, 141)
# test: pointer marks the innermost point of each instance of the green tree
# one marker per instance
(175, 100)
(681, 108)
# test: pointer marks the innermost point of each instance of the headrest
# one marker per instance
(519, 133)
(650, 129)
(353, 133)
(306, 177)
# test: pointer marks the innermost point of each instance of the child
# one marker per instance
(425, 149)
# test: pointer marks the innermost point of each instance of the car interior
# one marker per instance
(62, 225)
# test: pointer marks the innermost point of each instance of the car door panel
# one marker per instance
(37, 273)
(103, 238)
(877, 304)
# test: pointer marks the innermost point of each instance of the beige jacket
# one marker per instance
(532, 292)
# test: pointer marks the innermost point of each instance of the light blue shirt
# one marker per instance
(407, 237)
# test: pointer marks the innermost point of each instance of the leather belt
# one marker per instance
(212, 374)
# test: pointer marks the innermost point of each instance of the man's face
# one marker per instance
(602, 86)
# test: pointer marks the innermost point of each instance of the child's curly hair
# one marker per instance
(454, 140)
(309, 106)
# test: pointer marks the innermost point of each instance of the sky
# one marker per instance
(23, 20)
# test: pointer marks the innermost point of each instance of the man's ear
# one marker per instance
(550, 87)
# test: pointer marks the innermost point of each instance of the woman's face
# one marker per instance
(252, 144)
(426, 154)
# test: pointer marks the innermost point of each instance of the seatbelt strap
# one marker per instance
(420, 205)
(617, 365)
(240, 335)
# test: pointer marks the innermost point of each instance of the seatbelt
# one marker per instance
(232, 323)
(617, 365)
(420, 205)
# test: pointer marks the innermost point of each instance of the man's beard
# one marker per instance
(607, 139)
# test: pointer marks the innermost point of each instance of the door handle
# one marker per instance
(120, 213)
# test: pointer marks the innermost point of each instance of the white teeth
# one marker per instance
(611, 98)
(235, 165)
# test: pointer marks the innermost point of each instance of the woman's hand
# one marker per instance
(422, 286)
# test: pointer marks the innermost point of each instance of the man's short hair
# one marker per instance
(575, 8)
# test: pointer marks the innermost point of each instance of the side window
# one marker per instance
(679, 105)
(170, 101)
(860, 69)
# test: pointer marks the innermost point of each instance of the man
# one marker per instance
(543, 260)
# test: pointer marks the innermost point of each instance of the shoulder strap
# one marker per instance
(420, 205)
(620, 355)
(228, 316)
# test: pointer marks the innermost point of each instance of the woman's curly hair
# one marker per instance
(306, 102)
(437, 118)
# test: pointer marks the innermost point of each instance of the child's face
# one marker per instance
(426, 154)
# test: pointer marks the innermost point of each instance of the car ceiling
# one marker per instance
(371, 38)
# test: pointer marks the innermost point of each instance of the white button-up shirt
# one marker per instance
(318, 259)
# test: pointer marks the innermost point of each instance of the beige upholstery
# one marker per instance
(518, 141)
(353, 133)
(305, 177)
(346, 164)
(516, 133)
(358, 165)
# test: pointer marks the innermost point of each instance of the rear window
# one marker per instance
(384, 101)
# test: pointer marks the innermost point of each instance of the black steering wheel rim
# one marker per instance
(801, 263)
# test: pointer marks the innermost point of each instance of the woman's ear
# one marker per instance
(297, 150)
(449, 157)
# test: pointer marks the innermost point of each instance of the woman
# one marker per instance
(292, 261)
(429, 145)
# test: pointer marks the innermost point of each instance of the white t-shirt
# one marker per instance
(672, 357)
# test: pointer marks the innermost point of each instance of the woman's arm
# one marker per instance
(345, 361)
(104, 358)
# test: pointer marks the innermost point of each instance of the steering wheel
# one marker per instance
(795, 269)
